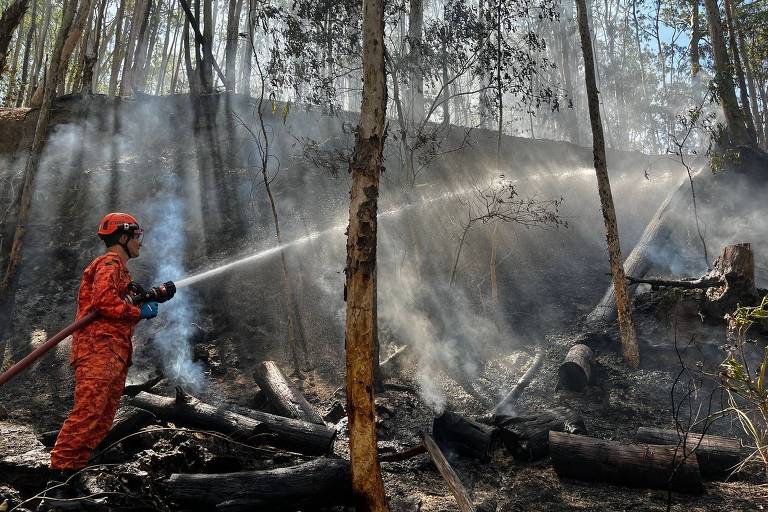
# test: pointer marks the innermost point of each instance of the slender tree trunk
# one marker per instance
(10, 19)
(117, 53)
(207, 67)
(12, 82)
(140, 54)
(166, 51)
(39, 49)
(416, 78)
(193, 78)
(105, 34)
(745, 107)
(82, 48)
(179, 55)
(566, 56)
(146, 68)
(734, 118)
(365, 167)
(750, 83)
(230, 51)
(27, 51)
(693, 45)
(126, 82)
(623, 305)
(247, 55)
(38, 143)
(92, 50)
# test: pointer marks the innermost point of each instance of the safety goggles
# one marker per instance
(138, 234)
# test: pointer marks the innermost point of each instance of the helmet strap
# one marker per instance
(125, 245)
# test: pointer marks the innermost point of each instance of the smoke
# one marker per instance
(165, 245)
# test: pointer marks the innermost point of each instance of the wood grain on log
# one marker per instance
(526, 435)
(633, 465)
(449, 475)
(717, 456)
(455, 433)
(283, 394)
(321, 482)
(576, 370)
(288, 433)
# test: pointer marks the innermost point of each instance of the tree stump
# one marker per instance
(633, 465)
(576, 370)
(735, 268)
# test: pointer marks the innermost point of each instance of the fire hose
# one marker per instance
(137, 295)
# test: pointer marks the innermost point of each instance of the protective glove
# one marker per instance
(149, 310)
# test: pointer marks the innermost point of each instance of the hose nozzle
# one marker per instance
(160, 293)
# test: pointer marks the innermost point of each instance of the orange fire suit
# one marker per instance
(101, 355)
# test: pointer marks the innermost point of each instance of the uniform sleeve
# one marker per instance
(106, 299)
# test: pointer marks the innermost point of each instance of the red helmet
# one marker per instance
(117, 221)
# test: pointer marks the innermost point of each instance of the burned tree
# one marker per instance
(359, 289)
(623, 306)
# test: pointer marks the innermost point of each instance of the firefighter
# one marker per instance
(101, 351)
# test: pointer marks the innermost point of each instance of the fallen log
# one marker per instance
(633, 465)
(576, 370)
(449, 475)
(717, 456)
(526, 436)
(506, 404)
(128, 420)
(455, 433)
(321, 482)
(283, 394)
(288, 433)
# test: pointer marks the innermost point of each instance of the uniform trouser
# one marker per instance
(99, 383)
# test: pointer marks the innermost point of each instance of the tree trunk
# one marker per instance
(750, 85)
(92, 51)
(233, 36)
(131, 80)
(202, 43)
(457, 434)
(283, 394)
(13, 83)
(292, 434)
(25, 59)
(359, 291)
(416, 75)
(576, 370)
(248, 49)
(319, 483)
(39, 47)
(463, 502)
(38, 143)
(193, 77)
(623, 305)
(734, 118)
(745, 107)
(117, 52)
(10, 19)
(126, 82)
(167, 52)
(717, 456)
(693, 44)
(618, 462)
(207, 64)
(146, 68)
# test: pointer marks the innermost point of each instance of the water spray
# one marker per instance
(136, 295)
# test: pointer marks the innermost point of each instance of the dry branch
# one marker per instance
(506, 403)
(287, 433)
(445, 469)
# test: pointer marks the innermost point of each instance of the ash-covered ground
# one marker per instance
(190, 173)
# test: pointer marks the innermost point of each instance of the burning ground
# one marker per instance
(190, 171)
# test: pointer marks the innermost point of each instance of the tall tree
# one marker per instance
(733, 39)
(734, 117)
(27, 50)
(38, 143)
(416, 75)
(230, 51)
(120, 22)
(623, 305)
(360, 290)
(10, 19)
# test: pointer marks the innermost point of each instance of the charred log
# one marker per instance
(701, 283)
(526, 436)
(321, 482)
(283, 394)
(128, 420)
(286, 433)
(717, 456)
(445, 469)
(455, 433)
(576, 370)
(633, 465)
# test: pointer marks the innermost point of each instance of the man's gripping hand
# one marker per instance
(149, 310)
